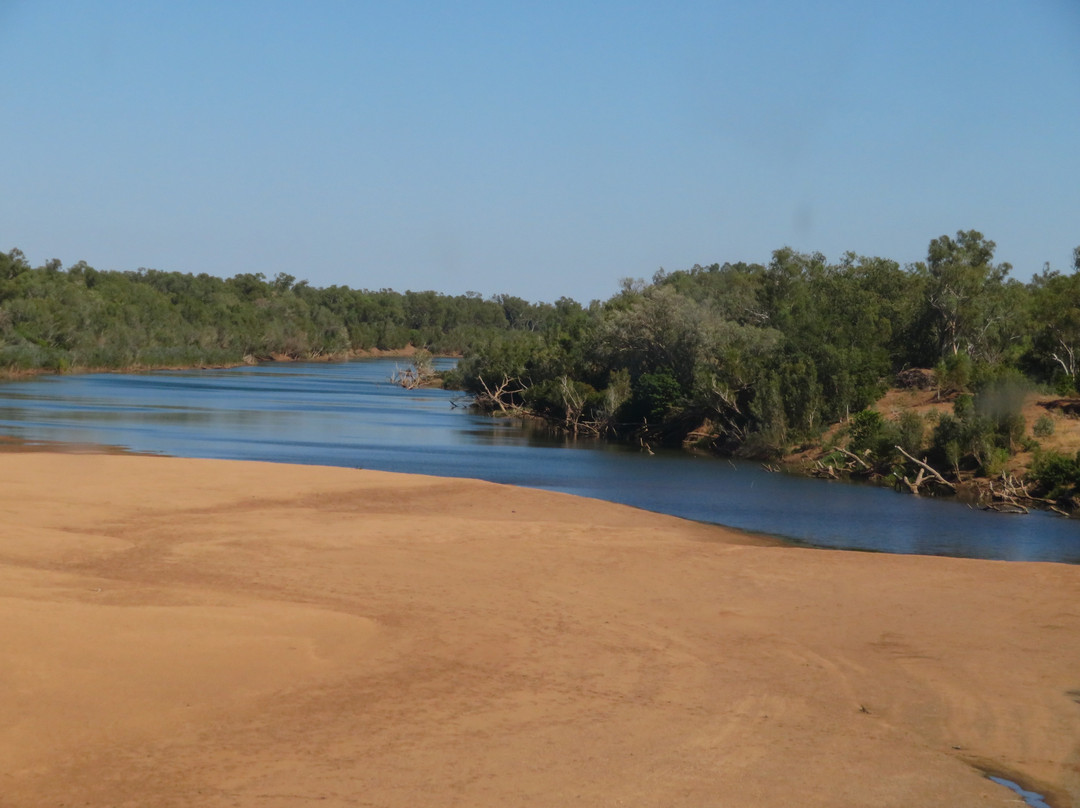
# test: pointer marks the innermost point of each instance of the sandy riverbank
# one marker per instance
(203, 633)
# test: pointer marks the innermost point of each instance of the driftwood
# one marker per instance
(854, 457)
(418, 374)
(409, 378)
(924, 468)
(501, 395)
(1005, 507)
(1010, 495)
(821, 470)
(920, 478)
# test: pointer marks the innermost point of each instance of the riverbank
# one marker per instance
(409, 351)
(1048, 425)
(182, 632)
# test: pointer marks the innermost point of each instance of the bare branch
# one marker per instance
(854, 457)
(933, 472)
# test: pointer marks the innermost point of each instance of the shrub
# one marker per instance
(868, 430)
(1044, 427)
(1064, 384)
(653, 396)
(865, 429)
(912, 431)
(1056, 475)
(964, 406)
(954, 373)
(994, 462)
(948, 432)
(24, 356)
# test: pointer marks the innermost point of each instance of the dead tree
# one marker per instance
(924, 468)
(501, 395)
(855, 457)
(418, 374)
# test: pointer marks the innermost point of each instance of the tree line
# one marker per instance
(751, 358)
(758, 358)
(53, 318)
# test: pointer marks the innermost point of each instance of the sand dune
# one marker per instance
(203, 633)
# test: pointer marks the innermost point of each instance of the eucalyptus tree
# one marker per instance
(1056, 314)
(963, 291)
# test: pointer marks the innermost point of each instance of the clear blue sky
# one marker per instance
(540, 149)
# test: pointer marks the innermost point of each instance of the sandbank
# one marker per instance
(211, 633)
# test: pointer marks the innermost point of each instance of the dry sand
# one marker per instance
(203, 633)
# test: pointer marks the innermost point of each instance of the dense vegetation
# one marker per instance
(55, 319)
(758, 358)
(754, 358)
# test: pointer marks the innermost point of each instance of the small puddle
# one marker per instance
(1032, 798)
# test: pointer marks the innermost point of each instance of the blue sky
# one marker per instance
(539, 149)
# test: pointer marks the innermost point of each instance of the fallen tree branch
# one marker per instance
(502, 395)
(920, 478)
(933, 472)
(854, 457)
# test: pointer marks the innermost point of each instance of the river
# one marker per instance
(349, 414)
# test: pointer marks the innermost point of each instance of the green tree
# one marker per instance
(963, 286)
(1056, 315)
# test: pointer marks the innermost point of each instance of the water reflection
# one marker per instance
(351, 415)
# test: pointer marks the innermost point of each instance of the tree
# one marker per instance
(1056, 313)
(963, 283)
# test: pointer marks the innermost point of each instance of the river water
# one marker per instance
(349, 414)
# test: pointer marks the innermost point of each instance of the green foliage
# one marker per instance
(653, 396)
(964, 406)
(768, 353)
(1054, 353)
(911, 432)
(966, 297)
(1043, 427)
(1000, 402)
(994, 462)
(865, 430)
(51, 319)
(954, 373)
(1063, 384)
(612, 400)
(872, 436)
(984, 429)
(1056, 475)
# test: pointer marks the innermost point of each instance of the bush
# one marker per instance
(965, 441)
(1044, 427)
(870, 431)
(653, 396)
(912, 431)
(994, 462)
(1064, 384)
(1056, 475)
(563, 399)
(24, 356)
(954, 373)
(865, 429)
(964, 406)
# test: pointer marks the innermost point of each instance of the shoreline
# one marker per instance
(989, 494)
(235, 633)
(10, 374)
(16, 444)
